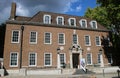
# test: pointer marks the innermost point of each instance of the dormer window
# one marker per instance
(83, 23)
(94, 24)
(47, 19)
(60, 20)
(72, 21)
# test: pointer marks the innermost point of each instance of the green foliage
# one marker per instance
(99, 14)
(113, 14)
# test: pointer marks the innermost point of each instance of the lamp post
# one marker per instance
(58, 57)
(101, 58)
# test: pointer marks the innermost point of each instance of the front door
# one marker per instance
(75, 58)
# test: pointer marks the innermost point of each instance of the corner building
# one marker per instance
(53, 40)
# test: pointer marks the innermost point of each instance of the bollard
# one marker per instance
(118, 71)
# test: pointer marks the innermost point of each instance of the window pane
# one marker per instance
(13, 59)
(72, 21)
(47, 19)
(74, 39)
(62, 59)
(47, 38)
(89, 59)
(47, 59)
(60, 21)
(15, 36)
(83, 23)
(87, 40)
(61, 38)
(99, 61)
(32, 60)
(97, 41)
(33, 37)
(94, 25)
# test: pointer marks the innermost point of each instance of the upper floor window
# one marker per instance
(72, 21)
(94, 24)
(33, 37)
(48, 38)
(87, 40)
(83, 23)
(47, 59)
(60, 20)
(61, 38)
(47, 19)
(98, 43)
(14, 59)
(15, 36)
(75, 39)
(32, 59)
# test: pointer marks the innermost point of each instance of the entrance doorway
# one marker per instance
(75, 58)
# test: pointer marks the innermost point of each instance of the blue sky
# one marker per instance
(31, 7)
(83, 5)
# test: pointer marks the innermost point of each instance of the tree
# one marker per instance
(99, 14)
(2, 38)
(108, 14)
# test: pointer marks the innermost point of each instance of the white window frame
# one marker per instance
(58, 20)
(30, 38)
(73, 39)
(89, 40)
(99, 58)
(99, 41)
(49, 21)
(50, 38)
(18, 36)
(50, 59)
(82, 24)
(63, 39)
(69, 20)
(64, 59)
(35, 59)
(91, 58)
(91, 23)
(10, 60)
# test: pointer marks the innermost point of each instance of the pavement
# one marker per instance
(108, 75)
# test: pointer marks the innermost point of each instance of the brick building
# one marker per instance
(53, 40)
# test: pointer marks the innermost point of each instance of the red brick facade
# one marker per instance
(36, 24)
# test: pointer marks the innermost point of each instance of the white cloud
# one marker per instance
(21, 10)
(78, 8)
(31, 7)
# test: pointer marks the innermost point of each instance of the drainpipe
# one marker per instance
(21, 44)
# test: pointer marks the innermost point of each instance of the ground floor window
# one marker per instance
(14, 59)
(99, 60)
(110, 61)
(32, 59)
(48, 59)
(62, 60)
(89, 58)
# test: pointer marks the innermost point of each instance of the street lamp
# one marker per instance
(58, 57)
(58, 50)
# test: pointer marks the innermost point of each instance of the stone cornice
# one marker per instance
(52, 25)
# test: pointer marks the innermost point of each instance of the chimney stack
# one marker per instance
(13, 11)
